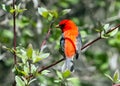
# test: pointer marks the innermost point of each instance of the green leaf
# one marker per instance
(50, 17)
(8, 34)
(45, 72)
(29, 51)
(66, 74)
(25, 80)
(83, 33)
(113, 32)
(12, 10)
(39, 56)
(21, 10)
(75, 81)
(72, 79)
(43, 12)
(100, 28)
(104, 34)
(19, 71)
(18, 6)
(26, 70)
(55, 13)
(19, 82)
(57, 81)
(36, 59)
(109, 77)
(118, 81)
(21, 53)
(33, 68)
(9, 49)
(18, 9)
(44, 55)
(106, 27)
(66, 11)
(59, 74)
(31, 81)
(23, 58)
(6, 8)
(116, 76)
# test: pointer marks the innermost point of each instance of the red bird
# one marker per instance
(70, 43)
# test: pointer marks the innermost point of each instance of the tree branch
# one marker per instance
(14, 31)
(44, 68)
(14, 40)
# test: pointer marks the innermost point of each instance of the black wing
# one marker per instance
(62, 42)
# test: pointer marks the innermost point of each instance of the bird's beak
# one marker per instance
(57, 26)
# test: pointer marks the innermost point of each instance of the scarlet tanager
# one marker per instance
(70, 43)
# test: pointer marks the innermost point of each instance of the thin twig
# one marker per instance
(44, 68)
(14, 40)
(85, 46)
(14, 31)
(98, 38)
(47, 36)
(90, 43)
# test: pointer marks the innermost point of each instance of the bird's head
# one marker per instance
(67, 24)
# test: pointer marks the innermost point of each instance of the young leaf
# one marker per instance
(19, 82)
(104, 35)
(18, 9)
(36, 59)
(45, 72)
(71, 79)
(57, 81)
(6, 8)
(66, 11)
(118, 81)
(44, 55)
(33, 68)
(29, 51)
(100, 28)
(19, 71)
(25, 80)
(75, 81)
(66, 74)
(55, 13)
(106, 27)
(26, 70)
(113, 32)
(39, 56)
(18, 6)
(31, 81)
(59, 74)
(9, 49)
(109, 77)
(23, 57)
(43, 12)
(12, 10)
(116, 76)
(21, 10)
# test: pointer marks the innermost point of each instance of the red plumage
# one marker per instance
(70, 43)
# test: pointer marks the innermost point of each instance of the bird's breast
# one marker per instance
(70, 44)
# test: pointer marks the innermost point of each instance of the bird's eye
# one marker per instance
(62, 26)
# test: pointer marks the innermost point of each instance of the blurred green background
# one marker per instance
(101, 58)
